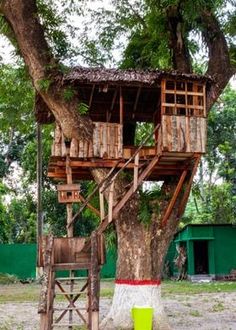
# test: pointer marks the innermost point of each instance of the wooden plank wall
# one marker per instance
(183, 134)
(107, 143)
(65, 249)
(107, 140)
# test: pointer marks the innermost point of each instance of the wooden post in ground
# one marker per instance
(94, 282)
(70, 231)
(39, 270)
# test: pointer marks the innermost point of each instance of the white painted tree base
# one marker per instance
(127, 296)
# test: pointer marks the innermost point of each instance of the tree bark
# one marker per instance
(177, 40)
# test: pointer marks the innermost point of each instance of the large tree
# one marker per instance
(157, 25)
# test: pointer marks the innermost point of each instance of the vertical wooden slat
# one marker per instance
(136, 167)
(101, 202)
(121, 106)
(74, 148)
(110, 202)
(57, 141)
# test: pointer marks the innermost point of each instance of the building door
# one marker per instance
(201, 263)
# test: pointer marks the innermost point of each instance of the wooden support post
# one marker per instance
(101, 202)
(45, 294)
(174, 198)
(69, 205)
(110, 202)
(136, 168)
(95, 283)
(121, 106)
(39, 196)
(188, 187)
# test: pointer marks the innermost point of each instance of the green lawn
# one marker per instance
(18, 292)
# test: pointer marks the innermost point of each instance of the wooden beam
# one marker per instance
(136, 101)
(69, 209)
(91, 96)
(174, 198)
(121, 106)
(110, 202)
(136, 167)
(95, 282)
(188, 188)
(108, 114)
(101, 202)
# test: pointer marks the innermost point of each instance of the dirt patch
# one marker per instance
(206, 311)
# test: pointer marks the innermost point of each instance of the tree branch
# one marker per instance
(219, 66)
(180, 56)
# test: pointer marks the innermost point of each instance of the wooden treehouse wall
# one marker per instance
(107, 143)
(183, 121)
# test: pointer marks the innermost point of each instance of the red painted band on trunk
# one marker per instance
(138, 282)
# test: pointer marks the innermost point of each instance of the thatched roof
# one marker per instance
(126, 77)
(99, 89)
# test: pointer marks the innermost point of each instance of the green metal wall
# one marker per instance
(20, 260)
(225, 249)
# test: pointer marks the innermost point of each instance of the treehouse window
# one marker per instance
(183, 98)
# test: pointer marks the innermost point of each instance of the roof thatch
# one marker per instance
(126, 77)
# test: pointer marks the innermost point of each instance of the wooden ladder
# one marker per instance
(58, 306)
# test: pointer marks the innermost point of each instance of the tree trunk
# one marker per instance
(141, 253)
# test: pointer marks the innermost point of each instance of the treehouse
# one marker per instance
(118, 102)
(173, 108)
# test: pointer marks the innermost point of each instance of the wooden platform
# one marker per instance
(171, 163)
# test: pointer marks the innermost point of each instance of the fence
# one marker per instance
(20, 260)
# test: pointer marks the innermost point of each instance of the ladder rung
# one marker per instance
(65, 325)
(70, 278)
(69, 309)
(71, 266)
(70, 293)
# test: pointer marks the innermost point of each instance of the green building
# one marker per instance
(210, 249)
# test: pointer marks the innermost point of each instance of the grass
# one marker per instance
(17, 292)
(195, 313)
(219, 307)
(8, 279)
(186, 287)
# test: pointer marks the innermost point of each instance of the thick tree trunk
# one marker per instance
(141, 253)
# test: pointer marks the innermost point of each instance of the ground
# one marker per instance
(188, 306)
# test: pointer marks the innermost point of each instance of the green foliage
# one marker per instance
(44, 84)
(68, 94)
(83, 108)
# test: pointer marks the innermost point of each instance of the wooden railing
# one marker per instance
(107, 143)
